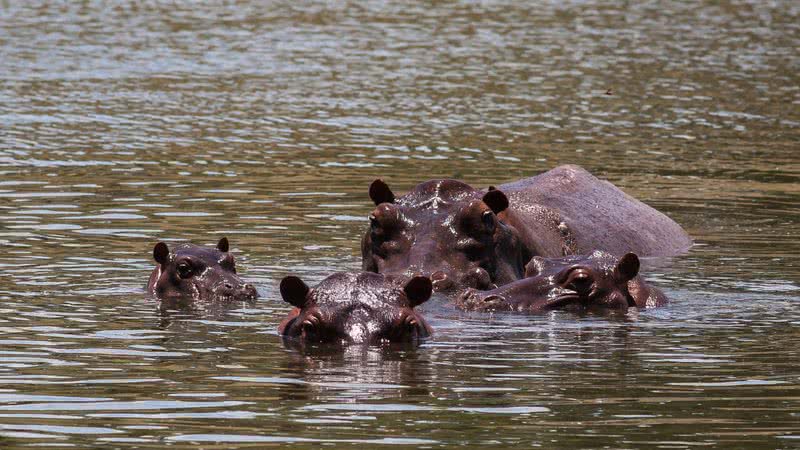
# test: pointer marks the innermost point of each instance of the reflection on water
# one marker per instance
(127, 124)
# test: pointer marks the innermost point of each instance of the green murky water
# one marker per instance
(121, 125)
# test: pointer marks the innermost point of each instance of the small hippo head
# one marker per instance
(444, 229)
(598, 280)
(192, 272)
(355, 308)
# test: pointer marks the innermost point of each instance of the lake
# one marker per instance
(122, 124)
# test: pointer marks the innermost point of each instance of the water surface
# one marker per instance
(125, 124)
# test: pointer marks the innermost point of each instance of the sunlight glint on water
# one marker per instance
(127, 124)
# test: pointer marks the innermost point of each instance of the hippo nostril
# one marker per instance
(491, 303)
(470, 297)
(580, 281)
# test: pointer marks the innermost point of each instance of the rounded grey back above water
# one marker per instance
(568, 211)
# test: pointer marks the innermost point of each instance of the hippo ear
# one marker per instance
(627, 267)
(496, 200)
(161, 253)
(222, 245)
(418, 290)
(294, 291)
(379, 192)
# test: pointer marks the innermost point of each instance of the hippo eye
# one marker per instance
(580, 280)
(385, 220)
(310, 327)
(411, 323)
(184, 270)
(406, 327)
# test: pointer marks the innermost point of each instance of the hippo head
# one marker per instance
(355, 308)
(598, 280)
(192, 272)
(444, 229)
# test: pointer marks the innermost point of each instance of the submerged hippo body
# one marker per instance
(464, 237)
(355, 308)
(596, 281)
(196, 273)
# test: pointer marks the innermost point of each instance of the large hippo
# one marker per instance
(195, 273)
(595, 281)
(355, 308)
(466, 237)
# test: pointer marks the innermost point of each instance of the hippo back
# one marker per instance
(569, 211)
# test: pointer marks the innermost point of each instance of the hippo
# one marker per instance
(595, 281)
(444, 229)
(195, 273)
(464, 237)
(356, 308)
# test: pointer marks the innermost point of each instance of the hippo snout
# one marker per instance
(250, 291)
(236, 291)
(472, 299)
(476, 278)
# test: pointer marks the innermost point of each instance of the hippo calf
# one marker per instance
(595, 281)
(193, 272)
(355, 308)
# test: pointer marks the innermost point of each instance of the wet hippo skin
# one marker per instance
(197, 273)
(355, 308)
(463, 237)
(568, 211)
(595, 281)
(444, 229)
